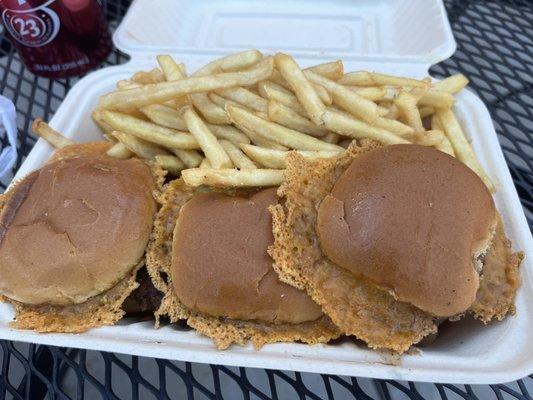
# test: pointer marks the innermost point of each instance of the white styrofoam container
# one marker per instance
(397, 36)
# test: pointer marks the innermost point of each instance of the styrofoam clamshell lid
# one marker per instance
(403, 31)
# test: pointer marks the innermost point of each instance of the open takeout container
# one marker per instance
(404, 37)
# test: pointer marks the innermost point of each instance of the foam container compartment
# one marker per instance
(397, 36)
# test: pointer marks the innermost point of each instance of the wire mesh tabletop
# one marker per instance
(495, 50)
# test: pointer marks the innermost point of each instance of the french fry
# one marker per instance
(106, 129)
(347, 99)
(394, 126)
(426, 111)
(119, 150)
(164, 116)
(276, 159)
(52, 136)
(273, 91)
(171, 70)
(191, 158)
(149, 131)
(170, 163)
(460, 144)
(163, 91)
(429, 138)
(394, 112)
(433, 98)
(232, 177)
(205, 163)
(209, 144)
(446, 146)
(239, 159)
(452, 84)
(435, 123)
(125, 84)
(209, 110)
(285, 116)
(346, 142)
(146, 77)
(333, 70)
(331, 137)
(323, 94)
(406, 103)
(373, 93)
(304, 90)
(382, 111)
(275, 132)
(228, 132)
(365, 78)
(222, 102)
(141, 148)
(260, 140)
(233, 62)
(244, 97)
(348, 126)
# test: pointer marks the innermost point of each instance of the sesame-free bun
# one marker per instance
(412, 220)
(220, 264)
(74, 229)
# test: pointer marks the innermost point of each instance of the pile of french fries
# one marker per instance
(233, 122)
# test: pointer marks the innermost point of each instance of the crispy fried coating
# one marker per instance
(355, 305)
(223, 331)
(499, 279)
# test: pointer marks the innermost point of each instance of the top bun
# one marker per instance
(220, 265)
(415, 222)
(74, 229)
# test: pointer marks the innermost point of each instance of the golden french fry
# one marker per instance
(394, 126)
(382, 111)
(163, 91)
(125, 84)
(429, 138)
(333, 70)
(171, 70)
(260, 140)
(433, 98)
(331, 137)
(228, 132)
(119, 150)
(276, 159)
(191, 158)
(164, 116)
(446, 146)
(435, 123)
(52, 136)
(275, 132)
(146, 77)
(222, 102)
(345, 125)
(273, 91)
(285, 116)
(304, 90)
(365, 78)
(373, 93)
(233, 62)
(426, 111)
(208, 142)
(104, 127)
(205, 163)
(460, 144)
(232, 177)
(347, 99)
(170, 163)
(149, 131)
(452, 84)
(239, 159)
(209, 110)
(141, 148)
(394, 112)
(244, 97)
(406, 103)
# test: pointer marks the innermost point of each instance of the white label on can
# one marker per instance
(34, 27)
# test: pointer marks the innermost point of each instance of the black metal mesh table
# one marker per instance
(495, 49)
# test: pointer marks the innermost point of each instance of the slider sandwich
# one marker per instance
(390, 241)
(73, 236)
(208, 254)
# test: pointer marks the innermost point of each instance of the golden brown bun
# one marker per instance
(412, 220)
(220, 264)
(74, 229)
